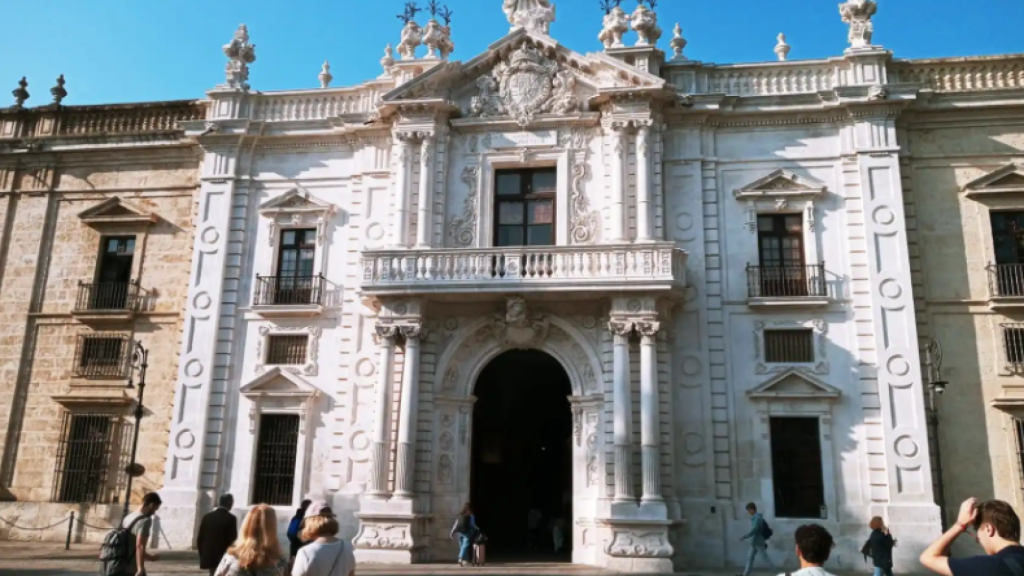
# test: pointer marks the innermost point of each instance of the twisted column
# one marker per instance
(406, 472)
(379, 472)
(622, 411)
(650, 445)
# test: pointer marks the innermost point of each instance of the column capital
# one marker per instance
(385, 333)
(620, 327)
(413, 332)
(648, 328)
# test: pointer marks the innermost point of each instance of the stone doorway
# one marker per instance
(522, 456)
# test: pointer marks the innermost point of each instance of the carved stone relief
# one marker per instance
(634, 543)
(527, 84)
(310, 367)
(463, 228)
(820, 364)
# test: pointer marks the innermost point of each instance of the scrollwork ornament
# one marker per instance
(585, 222)
(463, 228)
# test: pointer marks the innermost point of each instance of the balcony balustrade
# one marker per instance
(1006, 285)
(782, 285)
(289, 295)
(106, 300)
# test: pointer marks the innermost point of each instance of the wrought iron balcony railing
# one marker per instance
(289, 290)
(1006, 280)
(786, 281)
(107, 297)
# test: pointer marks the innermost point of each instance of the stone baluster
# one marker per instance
(618, 219)
(622, 411)
(406, 473)
(400, 225)
(644, 205)
(650, 446)
(379, 473)
(424, 214)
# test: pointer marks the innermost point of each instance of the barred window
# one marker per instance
(286, 349)
(275, 459)
(102, 355)
(1018, 429)
(789, 345)
(83, 457)
(1013, 341)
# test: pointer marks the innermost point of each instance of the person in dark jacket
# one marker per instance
(217, 532)
(880, 545)
(295, 528)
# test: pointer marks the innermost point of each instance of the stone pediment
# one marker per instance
(794, 384)
(279, 383)
(116, 211)
(780, 184)
(523, 75)
(295, 201)
(1008, 179)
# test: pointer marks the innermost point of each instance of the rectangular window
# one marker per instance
(525, 207)
(797, 477)
(102, 356)
(286, 349)
(275, 459)
(789, 346)
(296, 253)
(111, 291)
(83, 457)
(780, 239)
(1007, 278)
(1013, 343)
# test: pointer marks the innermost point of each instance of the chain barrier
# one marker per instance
(13, 525)
(107, 528)
(71, 525)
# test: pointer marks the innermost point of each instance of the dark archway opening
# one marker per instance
(522, 457)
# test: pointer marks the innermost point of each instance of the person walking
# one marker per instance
(879, 547)
(758, 536)
(139, 526)
(217, 531)
(323, 554)
(295, 528)
(814, 544)
(257, 551)
(996, 527)
(465, 527)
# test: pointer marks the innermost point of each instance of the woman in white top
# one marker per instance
(324, 555)
(257, 551)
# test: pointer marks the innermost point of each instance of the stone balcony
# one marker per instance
(657, 267)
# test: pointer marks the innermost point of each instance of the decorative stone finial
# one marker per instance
(782, 49)
(616, 23)
(433, 36)
(240, 54)
(678, 43)
(534, 15)
(389, 58)
(325, 75)
(58, 92)
(21, 93)
(412, 34)
(645, 23)
(858, 13)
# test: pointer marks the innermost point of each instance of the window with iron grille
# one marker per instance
(84, 457)
(275, 459)
(286, 349)
(789, 346)
(102, 355)
(1013, 342)
(1018, 429)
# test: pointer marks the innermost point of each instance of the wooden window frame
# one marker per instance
(525, 196)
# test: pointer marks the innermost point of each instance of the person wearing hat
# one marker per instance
(324, 554)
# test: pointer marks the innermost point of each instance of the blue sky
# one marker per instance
(135, 50)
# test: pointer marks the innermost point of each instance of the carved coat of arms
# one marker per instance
(527, 84)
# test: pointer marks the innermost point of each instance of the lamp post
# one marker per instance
(936, 387)
(139, 361)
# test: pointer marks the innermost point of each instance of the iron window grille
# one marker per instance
(1006, 279)
(276, 452)
(85, 456)
(795, 346)
(1013, 343)
(102, 356)
(286, 349)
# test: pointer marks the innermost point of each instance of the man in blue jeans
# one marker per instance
(758, 544)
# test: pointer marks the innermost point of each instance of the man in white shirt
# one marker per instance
(813, 545)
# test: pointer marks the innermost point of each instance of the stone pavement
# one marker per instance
(49, 559)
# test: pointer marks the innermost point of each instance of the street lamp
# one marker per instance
(139, 361)
(936, 387)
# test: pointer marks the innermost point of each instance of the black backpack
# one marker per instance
(766, 530)
(462, 525)
(118, 548)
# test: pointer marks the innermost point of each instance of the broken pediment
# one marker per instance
(780, 184)
(279, 383)
(794, 384)
(295, 201)
(1008, 179)
(116, 211)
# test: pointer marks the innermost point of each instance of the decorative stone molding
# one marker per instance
(463, 228)
(310, 367)
(517, 328)
(412, 37)
(616, 23)
(820, 365)
(857, 14)
(115, 212)
(437, 39)
(795, 385)
(782, 49)
(533, 15)
(634, 542)
(645, 22)
(295, 209)
(527, 84)
(784, 191)
(678, 44)
(585, 223)
(240, 54)
(1007, 180)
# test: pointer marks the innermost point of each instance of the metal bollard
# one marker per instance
(71, 523)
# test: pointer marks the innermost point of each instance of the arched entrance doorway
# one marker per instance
(522, 456)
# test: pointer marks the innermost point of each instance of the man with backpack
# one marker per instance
(758, 536)
(123, 552)
(996, 528)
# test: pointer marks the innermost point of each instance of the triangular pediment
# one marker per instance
(780, 183)
(116, 211)
(1007, 179)
(296, 200)
(531, 55)
(277, 382)
(794, 384)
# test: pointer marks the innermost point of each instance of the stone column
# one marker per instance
(650, 445)
(618, 219)
(379, 472)
(644, 203)
(622, 411)
(400, 222)
(424, 214)
(405, 474)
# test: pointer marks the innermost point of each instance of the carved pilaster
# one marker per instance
(424, 214)
(622, 409)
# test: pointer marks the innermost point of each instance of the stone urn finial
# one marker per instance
(615, 24)
(389, 58)
(58, 92)
(857, 14)
(678, 43)
(782, 49)
(325, 75)
(645, 22)
(21, 93)
(240, 54)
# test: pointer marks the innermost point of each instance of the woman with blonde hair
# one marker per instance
(879, 547)
(257, 551)
(323, 554)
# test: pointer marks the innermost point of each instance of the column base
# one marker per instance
(392, 538)
(638, 546)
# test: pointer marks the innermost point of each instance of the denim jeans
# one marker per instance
(464, 548)
(754, 550)
(882, 571)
